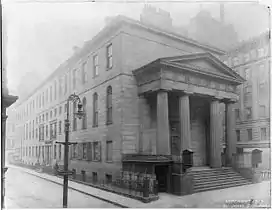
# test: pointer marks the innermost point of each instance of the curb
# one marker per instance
(83, 192)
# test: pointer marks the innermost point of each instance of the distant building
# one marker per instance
(206, 29)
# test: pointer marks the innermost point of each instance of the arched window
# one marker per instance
(84, 119)
(109, 105)
(95, 110)
(74, 117)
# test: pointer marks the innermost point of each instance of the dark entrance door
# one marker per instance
(161, 172)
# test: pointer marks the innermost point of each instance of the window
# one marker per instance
(89, 151)
(65, 84)
(74, 117)
(109, 151)
(74, 154)
(97, 151)
(46, 131)
(30, 130)
(51, 114)
(59, 127)
(248, 113)
(109, 105)
(26, 131)
(55, 90)
(46, 116)
(95, 110)
(249, 134)
(51, 93)
(74, 79)
(247, 74)
(36, 133)
(55, 151)
(84, 73)
(238, 135)
(60, 110)
(59, 151)
(260, 52)
(109, 56)
(248, 89)
(60, 87)
(43, 99)
(262, 111)
(84, 151)
(235, 61)
(95, 65)
(263, 134)
(246, 57)
(84, 120)
(33, 129)
(55, 112)
(46, 96)
(65, 108)
(43, 117)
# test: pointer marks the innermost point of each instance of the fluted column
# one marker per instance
(215, 141)
(231, 138)
(185, 128)
(163, 136)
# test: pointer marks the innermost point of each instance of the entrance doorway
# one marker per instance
(161, 172)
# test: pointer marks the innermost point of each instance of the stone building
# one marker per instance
(251, 59)
(148, 95)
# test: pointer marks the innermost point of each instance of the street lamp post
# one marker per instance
(66, 172)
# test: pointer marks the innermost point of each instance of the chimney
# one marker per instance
(222, 13)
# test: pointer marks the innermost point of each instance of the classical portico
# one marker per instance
(185, 93)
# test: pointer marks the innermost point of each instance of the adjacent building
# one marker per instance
(251, 59)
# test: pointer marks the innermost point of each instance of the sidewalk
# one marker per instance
(209, 199)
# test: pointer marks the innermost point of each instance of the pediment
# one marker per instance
(204, 63)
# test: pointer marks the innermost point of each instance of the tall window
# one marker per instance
(60, 109)
(33, 123)
(238, 135)
(95, 110)
(55, 112)
(109, 56)
(30, 130)
(84, 120)
(248, 113)
(55, 151)
(46, 96)
(46, 116)
(59, 127)
(237, 114)
(60, 86)
(43, 99)
(84, 73)
(26, 131)
(74, 78)
(55, 90)
(74, 151)
(84, 151)
(95, 65)
(247, 74)
(97, 151)
(74, 117)
(46, 131)
(262, 111)
(65, 84)
(263, 134)
(59, 151)
(51, 93)
(109, 105)
(109, 151)
(249, 134)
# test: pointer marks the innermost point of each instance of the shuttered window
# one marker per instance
(89, 151)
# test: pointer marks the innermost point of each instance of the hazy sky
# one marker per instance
(41, 35)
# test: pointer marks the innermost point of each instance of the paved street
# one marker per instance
(26, 191)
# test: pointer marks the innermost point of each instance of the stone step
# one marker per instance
(226, 182)
(211, 172)
(208, 188)
(217, 179)
(215, 175)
